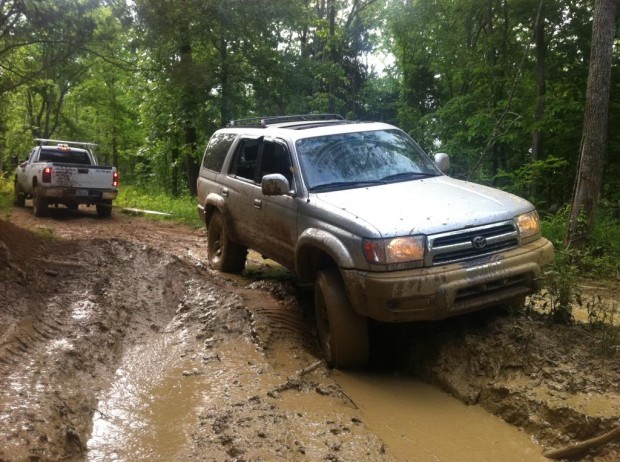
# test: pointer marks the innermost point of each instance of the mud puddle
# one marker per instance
(419, 422)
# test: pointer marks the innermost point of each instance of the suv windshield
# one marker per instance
(350, 160)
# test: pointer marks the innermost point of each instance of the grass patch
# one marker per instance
(181, 209)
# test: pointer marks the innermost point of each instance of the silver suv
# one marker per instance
(360, 210)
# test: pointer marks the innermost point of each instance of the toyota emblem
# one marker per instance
(479, 242)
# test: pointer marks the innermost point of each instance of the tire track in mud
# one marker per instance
(276, 316)
(63, 349)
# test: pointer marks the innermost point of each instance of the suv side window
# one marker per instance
(275, 159)
(246, 159)
(216, 151)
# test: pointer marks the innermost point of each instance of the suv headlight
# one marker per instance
(405, 249)
(529, 226)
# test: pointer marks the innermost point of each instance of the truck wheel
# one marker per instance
(342, 332)
(104, 209)
(224, 254)
(20, 197)
(39, 203)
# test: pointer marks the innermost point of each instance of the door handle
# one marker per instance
(258, 203)
(225, 192)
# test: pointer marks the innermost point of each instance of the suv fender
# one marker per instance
(311, 245)
(215, 203)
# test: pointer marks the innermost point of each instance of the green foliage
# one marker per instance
(561, 284)
(6, 194)
(600, 258)
(180, 209)
(546, 183)
(601, 255)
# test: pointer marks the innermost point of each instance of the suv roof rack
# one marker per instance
(266, 121)
(40, 142)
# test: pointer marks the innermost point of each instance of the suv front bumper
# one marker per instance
(448, 290)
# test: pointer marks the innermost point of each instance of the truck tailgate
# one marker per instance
(82, 176)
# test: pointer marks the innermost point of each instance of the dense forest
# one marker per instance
(500, 85)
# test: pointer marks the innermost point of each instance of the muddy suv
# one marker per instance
(360, 210)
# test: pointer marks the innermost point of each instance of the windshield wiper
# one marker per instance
(403, 176)
(345, 185)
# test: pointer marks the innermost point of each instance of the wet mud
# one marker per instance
(118, 343)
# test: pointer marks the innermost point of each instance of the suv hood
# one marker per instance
(427, 206)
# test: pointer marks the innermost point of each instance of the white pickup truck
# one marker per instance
(65, 172)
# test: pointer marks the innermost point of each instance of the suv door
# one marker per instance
(239, 188)
(277, 221)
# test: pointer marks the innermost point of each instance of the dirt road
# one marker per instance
(117, 343)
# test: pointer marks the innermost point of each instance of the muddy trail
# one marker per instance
(118, 343)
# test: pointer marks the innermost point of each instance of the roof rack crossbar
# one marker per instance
(265, 121)
(40, 142)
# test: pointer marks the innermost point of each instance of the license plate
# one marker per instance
(81, 192)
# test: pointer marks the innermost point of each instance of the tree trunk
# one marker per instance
(541, 52)
(189, 109)
(595, 126)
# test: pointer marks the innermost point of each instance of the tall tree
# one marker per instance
(593, 147)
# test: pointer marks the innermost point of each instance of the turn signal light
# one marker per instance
(47, 175)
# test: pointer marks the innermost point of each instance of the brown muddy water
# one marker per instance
(419, 422)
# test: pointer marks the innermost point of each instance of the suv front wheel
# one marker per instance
(224, 254)
(342, 332)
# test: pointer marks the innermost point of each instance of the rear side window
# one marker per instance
(64, 155)
(216, 151)
(246, 159)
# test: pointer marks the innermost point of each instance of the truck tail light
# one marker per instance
(115, 179)
(47, 175)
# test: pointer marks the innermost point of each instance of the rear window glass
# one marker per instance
(216, 151)
(66, 156)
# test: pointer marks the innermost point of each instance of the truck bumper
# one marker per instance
(80, 196)
(448, 290)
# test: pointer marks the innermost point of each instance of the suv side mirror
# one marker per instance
(442, 160)
(275, 184)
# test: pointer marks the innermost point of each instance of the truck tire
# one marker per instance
(224, 255)
(104, 209)
(20, 197)
(342, 332)
(39, 203)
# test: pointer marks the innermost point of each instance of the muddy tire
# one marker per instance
(20, 197)
(343, 334)
(39, 203)
(104, 209)
(224, 255)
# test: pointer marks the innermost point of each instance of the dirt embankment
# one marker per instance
(86, 303)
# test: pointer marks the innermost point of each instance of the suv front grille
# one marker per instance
(471, 243)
